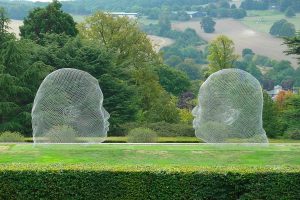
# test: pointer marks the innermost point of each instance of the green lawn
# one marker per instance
(153, 155)
(263, 20)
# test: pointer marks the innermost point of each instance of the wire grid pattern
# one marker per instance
(68, 108)
(230, 109)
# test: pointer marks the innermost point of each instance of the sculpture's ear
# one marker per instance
(231, 116)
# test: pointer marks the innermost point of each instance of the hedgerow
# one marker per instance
(98, 182)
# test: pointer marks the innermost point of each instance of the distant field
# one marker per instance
(160, 42)
(263, 20)
(14, 25)
(154, 155)
(243, 37)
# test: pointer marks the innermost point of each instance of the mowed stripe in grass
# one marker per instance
(154, 155)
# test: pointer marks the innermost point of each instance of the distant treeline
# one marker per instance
(282, 5)
(20, 9)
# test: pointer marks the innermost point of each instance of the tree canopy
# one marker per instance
(283, 28)
(221, 54)
(208, 24)
(50, 19)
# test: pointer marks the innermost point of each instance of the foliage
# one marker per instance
(4, 24)
(142, 135)
(8, 136)
(247, 51)
(293, 133)
(164, 24)
(121, 101)
(122, 35)
(282, 28)
(135, 58)
(92, 182)
(238, 13)
(271, 123)
(173, 80)
(290, 12)
(293, 44)
(254, 5)
(208, 24)
(61, 134)
(221, 54)
(291, 112)
(163, 129)
(285, 4)
(47, 20)
(186, 116)
(281, 98)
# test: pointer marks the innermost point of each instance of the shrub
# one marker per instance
(8, 136)
(293, 133)
(163, 129)
(61, 134)
(142, 135)
(172, 130)
(100, 182)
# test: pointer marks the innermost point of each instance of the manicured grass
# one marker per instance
(263, 20)
(178, 139)
(154, 155)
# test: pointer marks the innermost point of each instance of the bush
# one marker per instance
(293, 133)
(142, 135)
(163, 129)
(8, 136)
(61, 134)
(100, 182)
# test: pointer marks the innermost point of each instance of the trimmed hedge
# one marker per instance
(163, 129)
(96, 182)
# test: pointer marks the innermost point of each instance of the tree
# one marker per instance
(121, 35)
(247, 51)
(173, 80)
(290, 12)
(221, 54)
(164, 24)
(270, 117)
(233, 6)
(293, 44)
(191, 68)
(291, 113)
(283, 28)
(208, 24)
(4, 26)
(121, 101)
(238, 13)
(50, 19)
(284, 4)
(136, 60)
(224, 4)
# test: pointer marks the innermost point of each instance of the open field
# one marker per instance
(263, 20)
(14, 25)
(160, 42)
(154, 155)
(243, 37)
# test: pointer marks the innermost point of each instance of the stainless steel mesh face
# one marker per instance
(68, 109)
(230, 109)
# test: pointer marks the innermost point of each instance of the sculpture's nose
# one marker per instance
(195, 111)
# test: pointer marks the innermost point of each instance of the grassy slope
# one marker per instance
(263, 20)
(154, 155)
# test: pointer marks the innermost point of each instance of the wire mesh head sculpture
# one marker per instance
(230, 109)
(68, 108)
